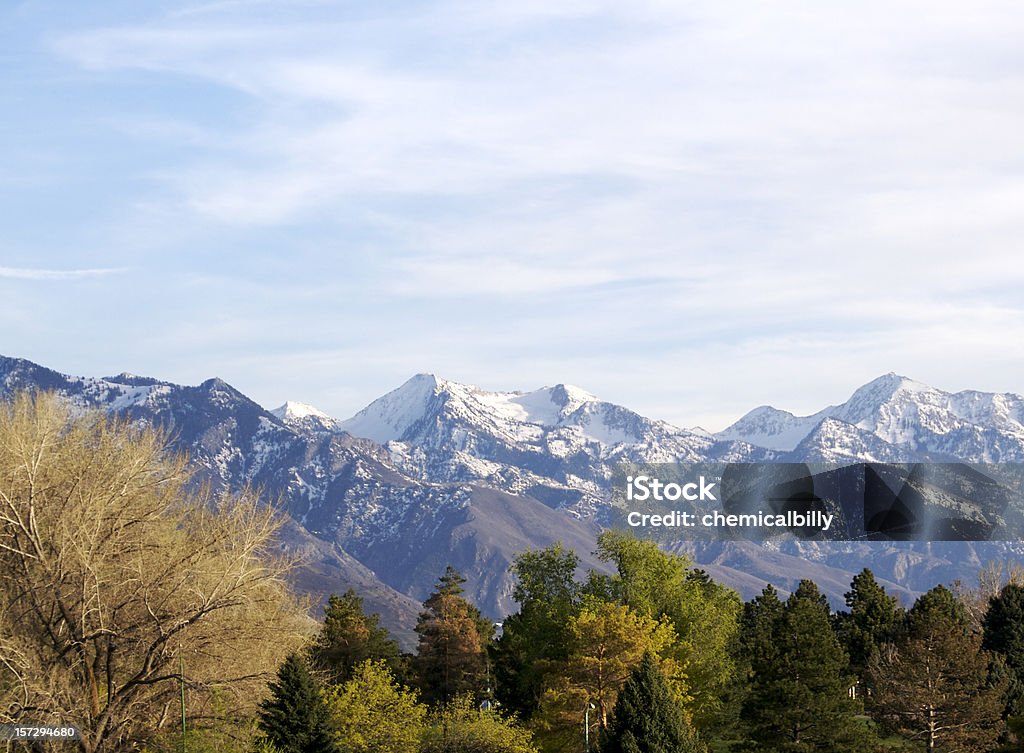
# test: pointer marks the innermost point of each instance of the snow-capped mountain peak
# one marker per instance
(293, 409)
(391, 416)
(772, 428)
(902, 412)
(306, 416)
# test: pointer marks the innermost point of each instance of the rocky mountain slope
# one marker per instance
(437, 472)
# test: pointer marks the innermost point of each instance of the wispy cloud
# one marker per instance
(824, 192)
(21, 273)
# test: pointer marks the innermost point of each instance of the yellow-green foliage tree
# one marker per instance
(462, 727)
(114, 573)
(704, 614)
(606, 642)
(372, 713)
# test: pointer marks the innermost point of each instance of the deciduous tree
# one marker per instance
(606, 642)
(115, 572)
(537, 634)
(372, 713)
(461, 726)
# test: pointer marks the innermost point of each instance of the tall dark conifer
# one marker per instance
(646, 718)
(875, 619)
(349, 637)
(798, 698)
(452, 655)
(1004, 634)
(295, 717)
(935, 684)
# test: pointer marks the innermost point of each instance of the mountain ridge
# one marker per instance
(469, 477)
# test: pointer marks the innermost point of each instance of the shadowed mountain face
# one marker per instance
(436, 473)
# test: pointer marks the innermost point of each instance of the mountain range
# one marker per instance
(436, 472)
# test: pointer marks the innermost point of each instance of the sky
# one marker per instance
(690, 209)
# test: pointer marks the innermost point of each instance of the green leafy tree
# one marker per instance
(372, 713)
(295, 717)
(875, 619)
(798, 696)
(647, 579)
(705, 615)
(461, 726)
(934, 684)
(348, 637)
(702, 613)
(452, 656)
(537, 634)
(647, 718)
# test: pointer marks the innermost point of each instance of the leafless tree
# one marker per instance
(115, 573)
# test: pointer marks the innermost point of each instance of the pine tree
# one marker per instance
(452, 656)
(1003, 626)
(874, 619)
(647, 719)
(798, 698)
(295, 717)
(934, 685)
(349, 637)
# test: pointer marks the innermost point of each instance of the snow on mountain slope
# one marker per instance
(403, 413)
(305, 416)
(772, 428)
(908, 415)
(467, 476)
(557, 444)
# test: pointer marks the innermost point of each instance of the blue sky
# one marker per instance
(687, 208)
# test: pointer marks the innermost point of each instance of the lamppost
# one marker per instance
(586, 727)
(181, 678)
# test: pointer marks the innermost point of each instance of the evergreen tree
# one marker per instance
(349, 637)
(452, 656)
(295, 717)
(756, 636)
(934, 685)
(753, 644)
(875, 618)
(1003, 627)
(798, 697)
(647, 719)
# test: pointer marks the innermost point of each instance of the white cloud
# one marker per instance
(821, 192)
